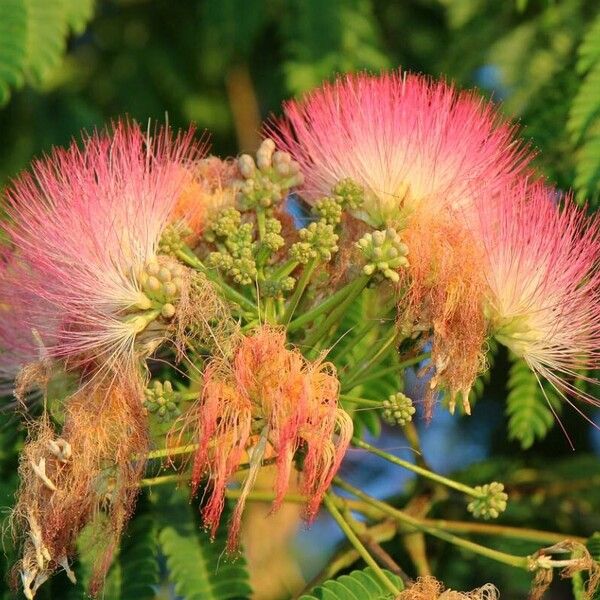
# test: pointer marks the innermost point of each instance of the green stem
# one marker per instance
(307, 272)
(266, 496)
(356, 287)
(353, 539)
(163, 479)
(465, 489)
(190, 259)
(385, 371)
(323, 307)
(371, 323)
(285, 269)
(505, 531)
(361, 401)
(520, 562)
(378, 351)
(164, 452)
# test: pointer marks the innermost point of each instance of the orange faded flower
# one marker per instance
(446, 287)
(87, 475)
(209, 186)
(268, 400)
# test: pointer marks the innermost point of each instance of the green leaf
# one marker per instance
(530, 416)
(358, 585)
(46, 38)
(323, 38)
(139, 559)
(78, 14)
(13, 32)
(198, 567)
(33, 36)
(584, 117)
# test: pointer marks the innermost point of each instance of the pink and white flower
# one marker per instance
(410, 141)
(542, 268)
(84, 226)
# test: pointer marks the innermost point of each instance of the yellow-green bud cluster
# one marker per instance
(162, 400)
(318, 240)
(329, 209)
(272, 239)
(172, 238)
(274, 288)
(236, 259)
(226, 224)
(160, 287)
(267, 180)
(349, 194)
(385, 253)
(491, 502)
(398, 409)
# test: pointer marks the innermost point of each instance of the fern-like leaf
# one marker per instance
(358, 585)
(46, 38)
(530, 416)
(33, 38)
(198, 567)
(584, 117)
(78, 13)
(139, 559)
(13, 32)
(328, 37)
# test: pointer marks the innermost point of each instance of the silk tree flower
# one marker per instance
(408, 140)
(269, 401)
(87, 474)
(543, 278)
(84, 229)
(424, 154)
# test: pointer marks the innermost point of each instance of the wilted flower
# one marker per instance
(269, 401)
(409, 141)
(209, 187)
(85, 229)
(543, 278)
(429, 588)
(88, 475)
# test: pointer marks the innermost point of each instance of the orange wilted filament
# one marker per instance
(269, 400)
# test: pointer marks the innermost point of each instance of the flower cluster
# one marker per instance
(491, 253)
(143, 272)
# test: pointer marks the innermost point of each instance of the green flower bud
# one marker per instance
(398, 409)
(172, 239)
(302, 252)
(273, 241)
(220, 260)
(318, 240)
(349, 194)
(385, 253)
(491, 502)
(162, 400)
(328, 209)
(227, 222)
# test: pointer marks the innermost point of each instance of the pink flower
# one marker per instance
(85, 228)
(269, 401)
(543, 278)
(410, 141)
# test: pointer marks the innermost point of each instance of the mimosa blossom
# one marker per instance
(543, 276)
(85, 227)
(408, 140)
(269, 401)
(425, 155)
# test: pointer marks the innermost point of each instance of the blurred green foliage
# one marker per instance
(227, 64)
